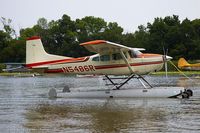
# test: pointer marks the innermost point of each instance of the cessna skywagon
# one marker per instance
(183, 64)
(111, 59)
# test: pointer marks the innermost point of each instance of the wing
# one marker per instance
(104, 47)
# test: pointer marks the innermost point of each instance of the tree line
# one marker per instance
(63, 36)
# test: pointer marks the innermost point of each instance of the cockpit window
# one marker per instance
(134, 53)
(116, 56)
(131, 54)
(105, 57)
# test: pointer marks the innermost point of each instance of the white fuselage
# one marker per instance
(88, 65)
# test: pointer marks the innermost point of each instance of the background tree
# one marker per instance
(63, 36)
(14, 52)
(138, 39)
(7, 27)
(113, 32)
(4, 39)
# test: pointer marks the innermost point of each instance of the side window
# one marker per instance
(133, 54)
(95, 58)
(116, 56)
(105, 57)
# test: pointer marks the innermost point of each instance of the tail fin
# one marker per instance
(182, 63)
(35, 53)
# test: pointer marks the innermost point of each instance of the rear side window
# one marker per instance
(95, 58)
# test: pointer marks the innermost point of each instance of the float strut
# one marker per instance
(110, 80)
(144, 81)
(118, 86)
(121, 84)
(129, 78)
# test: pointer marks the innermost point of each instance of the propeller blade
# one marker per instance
(165, 59)
(166, 69)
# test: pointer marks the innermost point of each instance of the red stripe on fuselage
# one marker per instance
(53, 71)
(108, 66)
(75, 60)
(124, 65)
(146, 55)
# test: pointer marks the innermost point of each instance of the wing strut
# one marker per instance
(126, 61)
(139, 77)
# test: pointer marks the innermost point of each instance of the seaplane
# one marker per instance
(111, 59)
(183, 64)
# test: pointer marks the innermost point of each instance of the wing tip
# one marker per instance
(33, 38)
(93, 42)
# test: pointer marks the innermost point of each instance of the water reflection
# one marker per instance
(107, 116)
(188, 82)
(43, 116)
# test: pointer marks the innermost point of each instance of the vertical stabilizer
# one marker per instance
(35, 52)
(182, 63)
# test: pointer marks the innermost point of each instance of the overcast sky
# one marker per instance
(127, 13)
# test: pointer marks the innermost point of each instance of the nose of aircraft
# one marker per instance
(168, 58)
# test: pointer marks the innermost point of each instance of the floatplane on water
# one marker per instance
(111, 59)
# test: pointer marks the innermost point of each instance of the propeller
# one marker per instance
(165, 59)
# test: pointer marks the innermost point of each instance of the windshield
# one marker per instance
(134, 53)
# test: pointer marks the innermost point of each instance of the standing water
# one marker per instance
(25, 107)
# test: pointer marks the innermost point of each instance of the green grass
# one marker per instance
(23, 74)
(8, 74)
(188, 73)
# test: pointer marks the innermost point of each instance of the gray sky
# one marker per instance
(127, 13)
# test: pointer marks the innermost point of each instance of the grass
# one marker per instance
(189, 73)
(8, 74)
(23, 74)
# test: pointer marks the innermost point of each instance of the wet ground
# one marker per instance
(25, 107)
